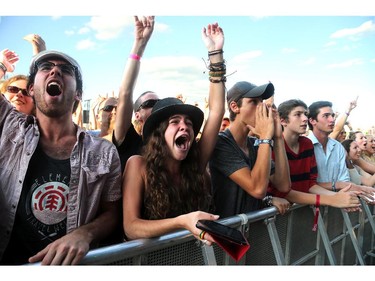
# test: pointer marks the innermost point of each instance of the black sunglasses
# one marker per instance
(147, 104)
(16, 90)
(109, 108)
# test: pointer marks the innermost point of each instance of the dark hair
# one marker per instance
(346, 144)
(314, 110)
(286, 107)
(162, 199)
(79, 82)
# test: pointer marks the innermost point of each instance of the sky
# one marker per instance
(309, 56)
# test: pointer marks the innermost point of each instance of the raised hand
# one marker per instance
(144, 27)
(213, 37)
(37, 42)
(9, 58)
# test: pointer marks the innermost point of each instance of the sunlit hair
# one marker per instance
(12, 79)
(162, 199)
(353, 135)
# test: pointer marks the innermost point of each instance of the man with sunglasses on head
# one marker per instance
(59, 187)
(126, 137)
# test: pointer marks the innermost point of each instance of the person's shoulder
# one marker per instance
(334, 142)
(305, 140)
(136, 160)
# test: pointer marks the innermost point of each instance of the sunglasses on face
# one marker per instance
(47, 66)
(109, 108)
(147, 104)
(16, 90)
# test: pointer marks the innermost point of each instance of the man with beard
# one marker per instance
(60, 187)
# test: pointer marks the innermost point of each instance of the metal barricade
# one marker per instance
(341, 239)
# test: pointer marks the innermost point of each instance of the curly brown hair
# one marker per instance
(162, 199)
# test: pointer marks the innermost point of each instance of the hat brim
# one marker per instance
(52, 54)
(196, 115)
(264, 92)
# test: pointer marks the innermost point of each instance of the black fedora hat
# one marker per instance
(167, 107)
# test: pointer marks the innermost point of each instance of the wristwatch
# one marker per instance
(267, 141)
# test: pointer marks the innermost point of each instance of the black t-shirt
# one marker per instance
(42, 209)
(132, 145)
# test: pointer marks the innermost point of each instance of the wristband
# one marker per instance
(3, 67)
(347, 113)
(135, 57)
(316, 217)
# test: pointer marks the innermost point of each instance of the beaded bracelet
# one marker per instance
(3, 67)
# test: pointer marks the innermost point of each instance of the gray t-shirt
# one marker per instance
(229, 198)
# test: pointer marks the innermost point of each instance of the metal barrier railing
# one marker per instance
(342, 238)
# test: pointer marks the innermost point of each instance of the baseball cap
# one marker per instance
(53, 54)
(244, 89)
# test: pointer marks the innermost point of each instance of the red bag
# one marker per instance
(231, 240)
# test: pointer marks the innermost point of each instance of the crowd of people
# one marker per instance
(149, 166)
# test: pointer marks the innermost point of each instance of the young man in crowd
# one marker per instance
(241, 166)
(329, 153)
(60, 187)
(302, 163)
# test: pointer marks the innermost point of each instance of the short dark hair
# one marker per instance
(286, 107)
(314, 110)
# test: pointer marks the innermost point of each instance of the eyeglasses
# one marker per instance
(16, 90)
(47, 66)
(147, 104)
(109, 108)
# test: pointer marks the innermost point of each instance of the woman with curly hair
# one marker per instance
(167, 188)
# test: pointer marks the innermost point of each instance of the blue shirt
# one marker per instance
(331, 164)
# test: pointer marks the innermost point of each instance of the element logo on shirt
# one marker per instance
(49, 202)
